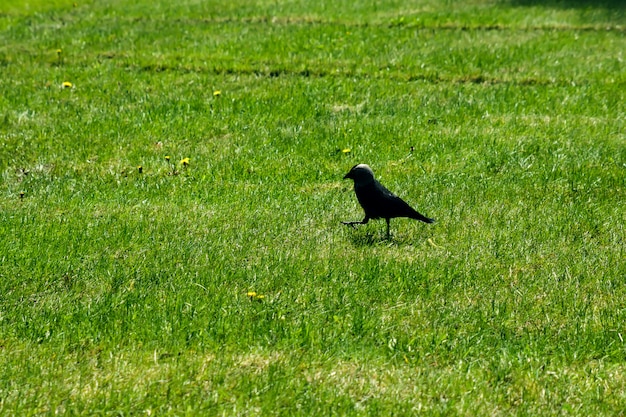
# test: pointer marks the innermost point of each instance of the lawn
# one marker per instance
(172, 196)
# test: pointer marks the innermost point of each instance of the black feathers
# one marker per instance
(377, 201)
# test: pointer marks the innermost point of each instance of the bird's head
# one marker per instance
(361, 174)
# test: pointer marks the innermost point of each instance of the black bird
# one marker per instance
(377, 201)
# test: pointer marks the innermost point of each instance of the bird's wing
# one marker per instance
(377, 201)
(400, 208)
(394, 205)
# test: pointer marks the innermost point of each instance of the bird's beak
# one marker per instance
(347, 175)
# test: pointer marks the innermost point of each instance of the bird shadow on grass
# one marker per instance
(368, 238)
(361, 238)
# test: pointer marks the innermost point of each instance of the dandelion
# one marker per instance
(67, 84)
(346, 150)
(59, 56)
(184, 162)
(217, 93)
(172, 165)
(254, 296)
(140, 169)
(22, 193)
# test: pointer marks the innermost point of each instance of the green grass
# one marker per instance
(125, 292)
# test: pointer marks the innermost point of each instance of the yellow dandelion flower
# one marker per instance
(346, 150)
(260, 296)
(167, 158)
(251, 294)
(59, 51)
(67, 84)
(217, 93)
(184, 162)
(140, 169)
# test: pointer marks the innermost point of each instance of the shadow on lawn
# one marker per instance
(379, 238)
(368, 238)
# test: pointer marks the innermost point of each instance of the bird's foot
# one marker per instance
(351, 224)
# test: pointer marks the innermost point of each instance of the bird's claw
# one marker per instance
(351, 224)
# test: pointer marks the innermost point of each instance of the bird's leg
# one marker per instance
(352, 224)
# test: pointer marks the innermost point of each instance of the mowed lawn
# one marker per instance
(171, 203)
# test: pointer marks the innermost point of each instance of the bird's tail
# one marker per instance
(420, 217)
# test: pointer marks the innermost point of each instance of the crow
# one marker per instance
(377, 201)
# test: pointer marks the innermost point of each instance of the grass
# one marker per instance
(125, 291)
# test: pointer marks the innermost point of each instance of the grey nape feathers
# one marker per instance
(377, 201)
